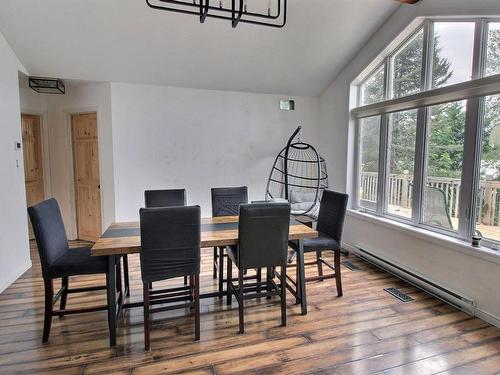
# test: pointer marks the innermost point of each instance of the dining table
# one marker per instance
(124, 238)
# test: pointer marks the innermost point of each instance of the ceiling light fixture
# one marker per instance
(270, 13)
(47, 85)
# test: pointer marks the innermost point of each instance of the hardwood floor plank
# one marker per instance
(446, 361)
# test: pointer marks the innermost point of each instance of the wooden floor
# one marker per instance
(366, 331)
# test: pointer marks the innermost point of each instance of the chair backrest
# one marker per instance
(165, 198)
(332, 214)
(49, 231)
(263, 234)
(436, 210)
(226, 201)
(170, 242)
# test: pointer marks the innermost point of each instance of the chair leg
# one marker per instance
(320, 265)
(301, 284)
(214, 263)
(269, 277)
(297, 279)
(119, 288)
(111, 298)
(221, 270)
(126, 276)
(229, 274)
(47, 322)
(192, 287)
(147, 323)
(241, 301)
(64, 295)
(283, 294)
(197, 307)
(338, 278)
(259, 279)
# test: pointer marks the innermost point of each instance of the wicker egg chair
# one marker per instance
(298, 176)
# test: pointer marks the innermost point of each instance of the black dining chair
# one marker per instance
(170, 247)
(262, 243)
(58, 261)
(330, 225)
(225, 202)
(165, 198)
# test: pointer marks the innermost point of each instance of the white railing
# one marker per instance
(400, 194)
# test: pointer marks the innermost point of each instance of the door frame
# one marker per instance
(44, 131)
(69, 137)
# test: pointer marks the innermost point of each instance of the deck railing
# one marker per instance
(400, 194)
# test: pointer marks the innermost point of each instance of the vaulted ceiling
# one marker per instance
(125, 41)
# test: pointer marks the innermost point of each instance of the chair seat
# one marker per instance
(78, 261)
(320, 243)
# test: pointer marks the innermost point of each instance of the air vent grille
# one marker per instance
(399, 294)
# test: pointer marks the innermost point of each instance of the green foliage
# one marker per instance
(491, 153)
(373, 89)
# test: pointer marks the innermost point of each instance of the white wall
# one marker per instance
(14, 245)
(56, 111)
(476, 277)
(165, 137)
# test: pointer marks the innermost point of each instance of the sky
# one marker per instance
(457, 42)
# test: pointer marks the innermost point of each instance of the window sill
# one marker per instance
(427, 235)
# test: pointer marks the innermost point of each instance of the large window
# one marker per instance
(373, 90)
(453, 44)
(401, 163)
(407, 67)
(369, 135)
(428, 120)
(444, 161)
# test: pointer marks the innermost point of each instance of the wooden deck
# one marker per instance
(488, 231)
(366, 331)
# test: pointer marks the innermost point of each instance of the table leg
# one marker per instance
(125, 276)
(111, 293)
(301, 284)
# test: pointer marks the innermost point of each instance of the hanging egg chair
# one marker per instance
(298, 176)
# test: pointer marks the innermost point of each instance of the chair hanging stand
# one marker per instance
(298, 176)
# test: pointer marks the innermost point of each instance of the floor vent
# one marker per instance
(352, 266)
(399, 294)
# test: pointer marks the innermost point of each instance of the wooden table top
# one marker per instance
(125, 238)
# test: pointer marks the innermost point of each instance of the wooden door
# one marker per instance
(33, 162)
(86, 174)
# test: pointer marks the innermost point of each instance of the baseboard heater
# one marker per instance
(461, 302)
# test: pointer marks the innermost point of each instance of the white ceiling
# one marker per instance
(125, 41)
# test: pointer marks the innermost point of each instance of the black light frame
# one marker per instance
(236, 16)
(47, 85)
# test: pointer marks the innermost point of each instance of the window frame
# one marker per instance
(473, 92)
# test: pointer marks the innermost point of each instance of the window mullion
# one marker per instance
(428, 48)
(421, 133)
(382, 166)
(383, 144)
(472, 141)
(419, 169)
(470, 168)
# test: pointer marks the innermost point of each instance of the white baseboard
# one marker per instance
(13, 276)
(477, 312)
(488, 318)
